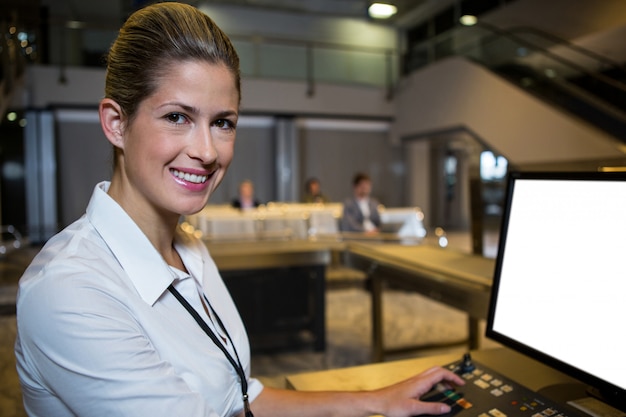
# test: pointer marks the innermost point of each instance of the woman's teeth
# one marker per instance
(197, 179)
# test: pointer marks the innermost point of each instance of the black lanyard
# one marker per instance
(236, 364)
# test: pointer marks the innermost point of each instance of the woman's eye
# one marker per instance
(176, 118)
(224, 124)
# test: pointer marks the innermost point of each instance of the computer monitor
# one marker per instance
(559, 288)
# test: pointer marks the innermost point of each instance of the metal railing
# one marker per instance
(265, 57)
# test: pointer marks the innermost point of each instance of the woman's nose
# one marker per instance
(203, 147)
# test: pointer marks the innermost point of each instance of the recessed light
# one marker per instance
(468, 20)
(382, 10)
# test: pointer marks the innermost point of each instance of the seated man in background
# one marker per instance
(360, 212)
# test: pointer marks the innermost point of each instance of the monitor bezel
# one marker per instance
(608, 392)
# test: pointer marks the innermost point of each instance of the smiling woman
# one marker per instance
(99, 333)
(122, 313)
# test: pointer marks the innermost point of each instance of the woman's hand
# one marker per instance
(398, 400)
(403, 399)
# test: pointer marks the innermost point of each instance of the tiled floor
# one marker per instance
(409, 319)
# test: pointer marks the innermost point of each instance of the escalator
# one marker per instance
(578, 81)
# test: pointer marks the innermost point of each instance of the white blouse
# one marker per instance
(99, 334)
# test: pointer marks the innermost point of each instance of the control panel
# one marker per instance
(487, 393)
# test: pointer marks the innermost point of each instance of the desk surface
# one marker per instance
(431, 260)
(520, 368)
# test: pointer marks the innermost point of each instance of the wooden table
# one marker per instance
(457, 279)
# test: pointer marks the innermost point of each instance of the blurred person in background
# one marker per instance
(246, 199)
(313, 192)
(360, 211)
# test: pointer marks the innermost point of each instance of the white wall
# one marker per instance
(273, 96)
(83, 87)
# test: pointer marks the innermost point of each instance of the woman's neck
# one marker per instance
(158, 226)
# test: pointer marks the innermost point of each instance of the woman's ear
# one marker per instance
(112, 121)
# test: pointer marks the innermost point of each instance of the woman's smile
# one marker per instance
(189, 177)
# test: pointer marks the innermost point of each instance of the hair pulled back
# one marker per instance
(154, 38)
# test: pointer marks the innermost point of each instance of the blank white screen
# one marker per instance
(563, 275)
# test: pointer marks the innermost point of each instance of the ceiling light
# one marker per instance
(74, 24)
(550, 73)
(382, 10)
(468, 20)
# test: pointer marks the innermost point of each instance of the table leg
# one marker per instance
(473, 325)
(378, 343)
(317, 278)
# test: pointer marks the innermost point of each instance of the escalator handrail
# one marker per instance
(563, 42)
(510, 35)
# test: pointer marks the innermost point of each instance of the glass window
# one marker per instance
(492, 167)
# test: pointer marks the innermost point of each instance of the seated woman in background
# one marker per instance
(122, 313)
(246, 200)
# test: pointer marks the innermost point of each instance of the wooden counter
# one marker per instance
(457, 279)
(516, 366)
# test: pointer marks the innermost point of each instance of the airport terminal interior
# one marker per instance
(438, 103)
